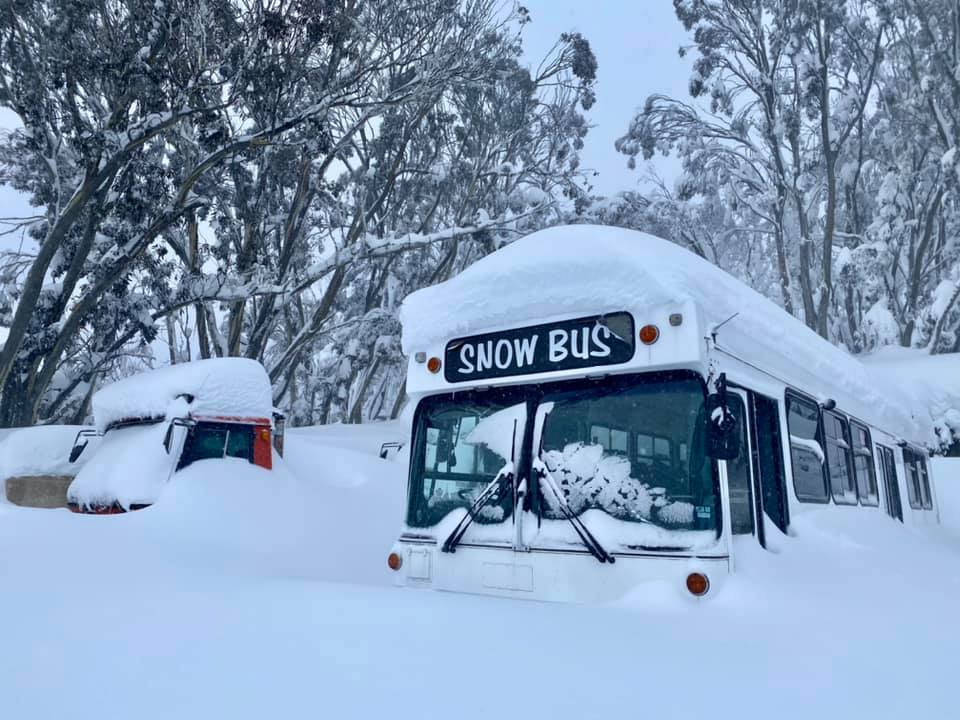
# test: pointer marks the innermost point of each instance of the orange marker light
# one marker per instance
(394, 561)
(649, 334)
(433, 365)
(698, 584)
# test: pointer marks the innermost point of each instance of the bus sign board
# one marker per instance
(585, 342)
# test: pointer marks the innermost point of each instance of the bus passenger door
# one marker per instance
(740, 473)
(768, 467)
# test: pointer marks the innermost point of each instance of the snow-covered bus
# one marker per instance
(597, 409)
(161, 421)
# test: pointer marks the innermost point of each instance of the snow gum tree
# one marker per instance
(264, 179)
(825, 129)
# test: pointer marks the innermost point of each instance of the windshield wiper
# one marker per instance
(493, 488)
(588, 539)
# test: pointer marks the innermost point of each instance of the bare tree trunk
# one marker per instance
(401, 399)
(171, 340)
(355, 415)
(953, 302)
(193, 254)
(80, 416)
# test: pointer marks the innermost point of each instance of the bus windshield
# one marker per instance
(634, 449)
(462, 445)
(631, 447)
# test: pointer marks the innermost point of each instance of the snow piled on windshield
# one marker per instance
(501, 432)
(588, 269)
(220, 387)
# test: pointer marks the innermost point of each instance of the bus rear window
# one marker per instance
(207, 441)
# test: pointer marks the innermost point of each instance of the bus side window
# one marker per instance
(612, 439)
(925, 483)
(913, 479)
(863, 465)
(618, 441)
(839, 459)
(806, 451)
(600, 435)
(891, 488)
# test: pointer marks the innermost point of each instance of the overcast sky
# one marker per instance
(636, 44)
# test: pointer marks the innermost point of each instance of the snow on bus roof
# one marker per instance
(934, 379)
(224, 387)
(595, 269)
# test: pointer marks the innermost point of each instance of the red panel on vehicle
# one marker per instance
(262, 447)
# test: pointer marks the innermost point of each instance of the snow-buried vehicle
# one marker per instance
(158, 422)
(598, 409)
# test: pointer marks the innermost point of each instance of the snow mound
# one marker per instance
(592, 269)
(236, 387)
(946, 477)
(41, 450)
(131, 466)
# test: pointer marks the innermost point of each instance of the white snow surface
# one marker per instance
(221, 386)
(42, 450)
(247, 593)
(593, 269)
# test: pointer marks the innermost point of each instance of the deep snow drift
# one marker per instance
(247, 593)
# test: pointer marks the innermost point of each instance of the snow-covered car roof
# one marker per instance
(42, 450)
(593, 269)
(220, 387)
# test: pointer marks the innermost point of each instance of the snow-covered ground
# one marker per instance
(251, 594)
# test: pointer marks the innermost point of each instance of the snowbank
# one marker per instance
(220, 386)
(946, 477)
(250, 590)
(934, 380)
(592, 269)
(355, 501)
(41, 450)
(131, 467)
